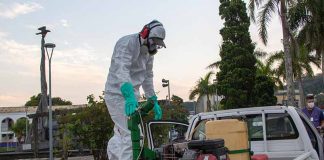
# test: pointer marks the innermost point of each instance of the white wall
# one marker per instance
(14, 116)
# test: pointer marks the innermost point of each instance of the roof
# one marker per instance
(245, 109)
(32, 109)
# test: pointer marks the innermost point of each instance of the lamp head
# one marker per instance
(49, 45)
(165, 81)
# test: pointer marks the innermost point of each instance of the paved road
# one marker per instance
(70, 158)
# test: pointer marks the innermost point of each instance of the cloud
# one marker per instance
(64, 23)
(71, 68)
(3, 34)
(16, 9)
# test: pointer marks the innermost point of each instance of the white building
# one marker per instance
(10, 115)
(201, 105)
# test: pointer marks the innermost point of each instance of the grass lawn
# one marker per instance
(5, 149)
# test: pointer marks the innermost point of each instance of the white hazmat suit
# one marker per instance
(131, 63)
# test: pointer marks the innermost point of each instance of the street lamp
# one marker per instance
(166, 83)
(50, 124)
(215, 82)
(26, 126)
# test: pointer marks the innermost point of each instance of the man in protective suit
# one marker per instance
(131, 67)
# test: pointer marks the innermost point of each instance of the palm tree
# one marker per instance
(280, 7)
(265, 69)
(262, 68)
(203, 88)
(302, 61)
(307, 17)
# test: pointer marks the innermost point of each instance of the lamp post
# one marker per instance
(50, 124)
(215, 82)
(166, 83)
(26, 126)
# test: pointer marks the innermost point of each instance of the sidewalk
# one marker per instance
(70, 158)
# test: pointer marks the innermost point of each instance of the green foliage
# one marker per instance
(176, 100)
(175, 112)
(56, 101)
(19, 128)
(34, 100)
(263, 91)
(203, 88)
(92, 127)
(237, 66)
(313, 85)
(319, 100)
(307, 18)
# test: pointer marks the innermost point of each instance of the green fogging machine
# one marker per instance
(136, 119)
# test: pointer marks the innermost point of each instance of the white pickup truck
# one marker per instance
(282, 133)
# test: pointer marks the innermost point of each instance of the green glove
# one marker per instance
(157, 109)
(130, 99)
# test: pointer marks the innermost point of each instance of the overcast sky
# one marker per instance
(85, 33)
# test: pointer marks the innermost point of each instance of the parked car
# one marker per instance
(282, 133)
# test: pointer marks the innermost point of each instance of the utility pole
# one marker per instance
(50, 124)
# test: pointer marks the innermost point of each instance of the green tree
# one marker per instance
(265, 68)
(92, 126)
(307, 17)
(319, 100)
(19, 128)
(236, 77)
(203, 88)
(56, 101)
(302, 61)
(264, 17)
(265, 80)
(264, 91)
(176, 100)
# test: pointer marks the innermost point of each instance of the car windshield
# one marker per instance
(164, 133)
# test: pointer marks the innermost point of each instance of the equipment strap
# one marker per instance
(239, 151)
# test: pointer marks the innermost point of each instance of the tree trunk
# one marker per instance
(208, 104)
(288, 58)
(322, 56)
(35, 137)
(301, 92)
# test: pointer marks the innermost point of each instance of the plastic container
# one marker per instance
(259, 157)
(235, 135)
(210, 147)
(206, 157)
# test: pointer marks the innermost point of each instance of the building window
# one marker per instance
(6, 124)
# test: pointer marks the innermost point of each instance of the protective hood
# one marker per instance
(157, 31)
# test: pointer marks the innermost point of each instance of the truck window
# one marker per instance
(280, 126)
(199, 131)
(254, 123)
(164, 133)
(255, 126)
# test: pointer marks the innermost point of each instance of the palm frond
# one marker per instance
(297, 15)
(264, 18)
(207, 76)
(252, 10)
(193, 93)
(260, 54)
(214, 65)
(276, 56)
